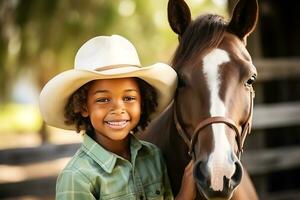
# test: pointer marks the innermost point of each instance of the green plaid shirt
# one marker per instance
(95, 173)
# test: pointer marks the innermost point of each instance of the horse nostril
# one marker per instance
(237, 176)
(200, 174)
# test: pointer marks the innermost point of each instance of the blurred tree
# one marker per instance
(43, 36)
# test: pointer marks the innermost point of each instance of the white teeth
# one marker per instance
(117, 124)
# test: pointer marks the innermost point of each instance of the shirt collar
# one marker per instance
(104, 158)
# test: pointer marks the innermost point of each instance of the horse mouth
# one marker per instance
(206, 190)
(205, 187)
(216, 195)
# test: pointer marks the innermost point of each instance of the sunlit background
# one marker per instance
(39, 39)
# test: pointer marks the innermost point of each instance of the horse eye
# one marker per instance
(251, 80)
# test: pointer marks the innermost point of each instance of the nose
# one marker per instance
(203, 179)
(118, 107)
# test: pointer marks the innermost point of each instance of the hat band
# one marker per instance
(99, 69)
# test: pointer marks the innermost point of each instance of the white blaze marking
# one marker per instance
(219, 161)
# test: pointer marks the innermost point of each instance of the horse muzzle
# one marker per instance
(204, 181)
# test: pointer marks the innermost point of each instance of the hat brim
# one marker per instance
(56, 93)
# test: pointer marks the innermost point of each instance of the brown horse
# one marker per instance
(212, 109)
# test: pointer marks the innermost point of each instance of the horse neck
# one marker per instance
(162, 132)
(159, 130)
(174, 140)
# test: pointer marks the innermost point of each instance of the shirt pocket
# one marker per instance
(154, 191)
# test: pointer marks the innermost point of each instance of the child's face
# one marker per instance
(114, 107)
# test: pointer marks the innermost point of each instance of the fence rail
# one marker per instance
(277, 68)
(22, 156)
(276, 115)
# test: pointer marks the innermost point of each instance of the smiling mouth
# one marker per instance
(117, 124)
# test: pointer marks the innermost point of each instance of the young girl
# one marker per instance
(109, 95)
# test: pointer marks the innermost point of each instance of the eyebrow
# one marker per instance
(131, 90)
(101, 91)
(107, 91)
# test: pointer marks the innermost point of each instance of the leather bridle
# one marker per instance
(240, 135)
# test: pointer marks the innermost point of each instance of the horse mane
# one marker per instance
(203, 34)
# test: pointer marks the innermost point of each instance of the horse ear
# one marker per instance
(179, 16)
(244, 18)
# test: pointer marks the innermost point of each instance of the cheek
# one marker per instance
(239, 108)
(135, 112)
(96, 118)
(97, 113)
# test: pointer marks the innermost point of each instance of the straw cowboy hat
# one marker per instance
(103, 57)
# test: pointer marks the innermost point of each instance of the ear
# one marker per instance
(244, 18)
(179, 16)
(84, 112)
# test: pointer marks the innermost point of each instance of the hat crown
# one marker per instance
(105, 51)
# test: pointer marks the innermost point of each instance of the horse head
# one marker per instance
(213, 103)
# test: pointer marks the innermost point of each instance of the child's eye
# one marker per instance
(129, 98)
(102, 100)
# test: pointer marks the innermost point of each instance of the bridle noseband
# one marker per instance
(240, 136)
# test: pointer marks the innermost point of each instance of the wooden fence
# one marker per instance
(43, 160)
(259, 162)
(263, 161)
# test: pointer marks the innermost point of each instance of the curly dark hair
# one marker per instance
(78, 100)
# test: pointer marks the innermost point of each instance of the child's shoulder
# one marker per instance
(151, 147)
(78, 162)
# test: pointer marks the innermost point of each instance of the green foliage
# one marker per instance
(16, 118)
(44, 35)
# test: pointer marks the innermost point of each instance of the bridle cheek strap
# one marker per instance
(240, 136)
(246, 128)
